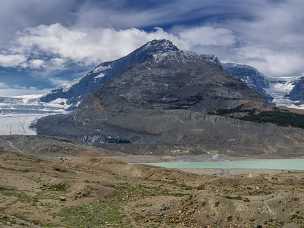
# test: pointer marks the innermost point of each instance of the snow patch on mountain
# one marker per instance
(101, 75)
(101, 68)
(68, 85)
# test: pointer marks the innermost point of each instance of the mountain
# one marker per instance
(161, 97)
(249, 75)
(159, 51)
(297, 92)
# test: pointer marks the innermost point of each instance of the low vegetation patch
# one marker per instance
(281, 118)
(12, 192)
(140, 190)
(276, 116)
(60, 187)
(98, 214)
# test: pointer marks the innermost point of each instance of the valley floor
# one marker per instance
(90, 190)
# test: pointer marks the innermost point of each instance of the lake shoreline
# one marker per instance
(166, 161)
(237, 172)
(150, 159)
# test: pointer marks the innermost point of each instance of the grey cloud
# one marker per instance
(16, 15)
(274, 41)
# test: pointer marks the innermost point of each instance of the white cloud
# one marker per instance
(267, 33)
(36, 64)
(57, 62)
(270, 61)
(93, 46)
(274, 40)
(90, 46)
(11, 60)
(207, 36)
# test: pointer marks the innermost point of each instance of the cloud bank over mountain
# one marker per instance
(91, 46)
(267, 34)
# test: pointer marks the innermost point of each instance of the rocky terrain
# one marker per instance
(45, 147)
(90, 190)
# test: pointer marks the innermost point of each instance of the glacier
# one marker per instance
(17, 114)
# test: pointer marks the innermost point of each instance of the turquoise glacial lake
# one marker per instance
(271, 164)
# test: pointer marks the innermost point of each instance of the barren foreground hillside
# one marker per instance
(97, 191)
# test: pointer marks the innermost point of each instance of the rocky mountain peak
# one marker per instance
(151, 49)
(161, 46)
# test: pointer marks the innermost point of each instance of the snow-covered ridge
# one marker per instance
(100, 71)
(101, 68)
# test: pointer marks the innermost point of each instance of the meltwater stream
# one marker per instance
(263, 164)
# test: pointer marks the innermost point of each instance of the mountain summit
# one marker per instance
(156, 46)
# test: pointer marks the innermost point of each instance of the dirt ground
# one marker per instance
(90, 190)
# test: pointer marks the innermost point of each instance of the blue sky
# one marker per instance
(40, 40)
